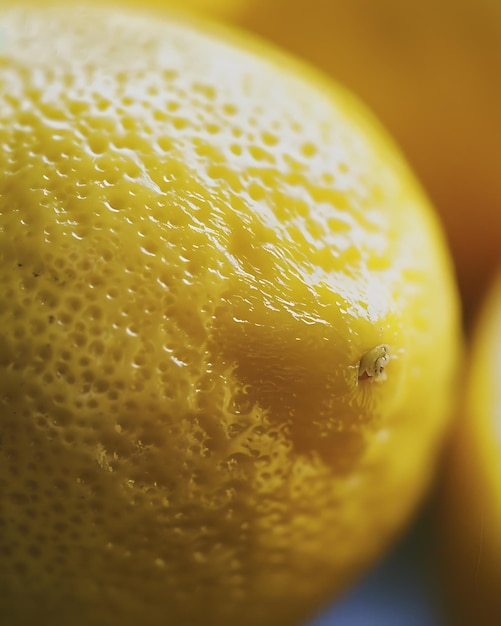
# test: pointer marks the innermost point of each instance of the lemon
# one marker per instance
(472, 511)
(430, 72)
(229, 327)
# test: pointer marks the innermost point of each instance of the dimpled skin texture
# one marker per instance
(430, 72)
(199, 243)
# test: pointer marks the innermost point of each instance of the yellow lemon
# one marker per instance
(473, 497)
(229, 327)
(430, 71)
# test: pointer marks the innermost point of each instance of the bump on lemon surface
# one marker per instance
(472, 487)
(229, 327)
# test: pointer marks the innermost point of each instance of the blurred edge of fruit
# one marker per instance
(470, 490)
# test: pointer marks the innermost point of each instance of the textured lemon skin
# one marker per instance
(471, 497)
(430, 72)
(200, 242)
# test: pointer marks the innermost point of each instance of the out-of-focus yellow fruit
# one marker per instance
(430, 71)
(472, 519)
(229, 327)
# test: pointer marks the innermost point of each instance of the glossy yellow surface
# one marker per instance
(430, 71)
(229, 327)
(472, 498)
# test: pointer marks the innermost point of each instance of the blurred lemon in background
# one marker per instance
(473, 481)
(229, 327)
(430, 71)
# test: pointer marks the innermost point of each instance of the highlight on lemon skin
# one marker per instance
(471, 510)
(430, 72)
(229, 327)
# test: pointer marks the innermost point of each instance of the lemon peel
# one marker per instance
(199, 238)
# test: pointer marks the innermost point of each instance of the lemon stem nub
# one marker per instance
(373, 363)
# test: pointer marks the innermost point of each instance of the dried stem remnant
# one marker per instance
(373, 363)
